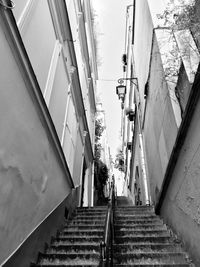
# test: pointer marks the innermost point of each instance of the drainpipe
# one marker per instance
(145, 182)
(83, 155)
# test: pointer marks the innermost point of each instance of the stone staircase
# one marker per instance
(78, 243)
(141, 239)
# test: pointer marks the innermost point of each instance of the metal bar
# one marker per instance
(106, 252)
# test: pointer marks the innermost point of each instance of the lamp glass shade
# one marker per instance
(121, 90)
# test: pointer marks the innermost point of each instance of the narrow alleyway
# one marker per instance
(99, 97)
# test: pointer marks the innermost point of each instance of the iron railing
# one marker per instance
(106, 245)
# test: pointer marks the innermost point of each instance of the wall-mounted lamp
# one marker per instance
(121, 80)
(121, 91)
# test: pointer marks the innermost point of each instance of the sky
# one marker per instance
(111, 18)
(111, 21)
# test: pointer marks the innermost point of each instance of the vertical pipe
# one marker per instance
(146, 192)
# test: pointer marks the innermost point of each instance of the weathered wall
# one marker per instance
(160, 128)
(47, 54)
(157, 121)
(143, 32)
(181, 207)
(38, 35)
(32, 181)
(142, 45)
(79, 34)
(41, 236)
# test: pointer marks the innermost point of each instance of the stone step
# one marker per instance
(90, 232)
(80, 214)
(141, 227)
(90, 214)
(86, 222)
(153, 265)
(83, 227)
(139, 238)
(76, 239)
(85, 264)
(131, 207)
(135, 216)
(136, 232)
(153, 257)
(147, 247)
(65, 242)
(138, 223)
(137, 220)
(72, 253)
(89, 219)
(92, 208)
(68, 259)
(74, 248)
(92, 218)
(132, 213)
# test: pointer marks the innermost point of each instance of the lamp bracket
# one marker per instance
(121, 80)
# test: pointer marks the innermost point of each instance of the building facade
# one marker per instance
(165, 146)
(48, 80)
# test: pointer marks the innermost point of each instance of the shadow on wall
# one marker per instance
(157, 193)
(41, 236)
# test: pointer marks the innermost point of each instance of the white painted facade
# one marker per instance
(36, 173)
(49, 54)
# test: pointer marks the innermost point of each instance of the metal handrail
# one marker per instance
(107, 242)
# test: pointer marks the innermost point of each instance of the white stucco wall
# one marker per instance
(59, 96)
(77, 25)
(32, 181)
(142, 45)
(182, 202)
(51, 61)
(160, 128)
(39, 38)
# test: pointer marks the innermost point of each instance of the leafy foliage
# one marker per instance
(119, 161)
(98, 130)
(97, 151)
(180, 19)
(100, 179)
(100, 168)
(98, 133)
(179, 14)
